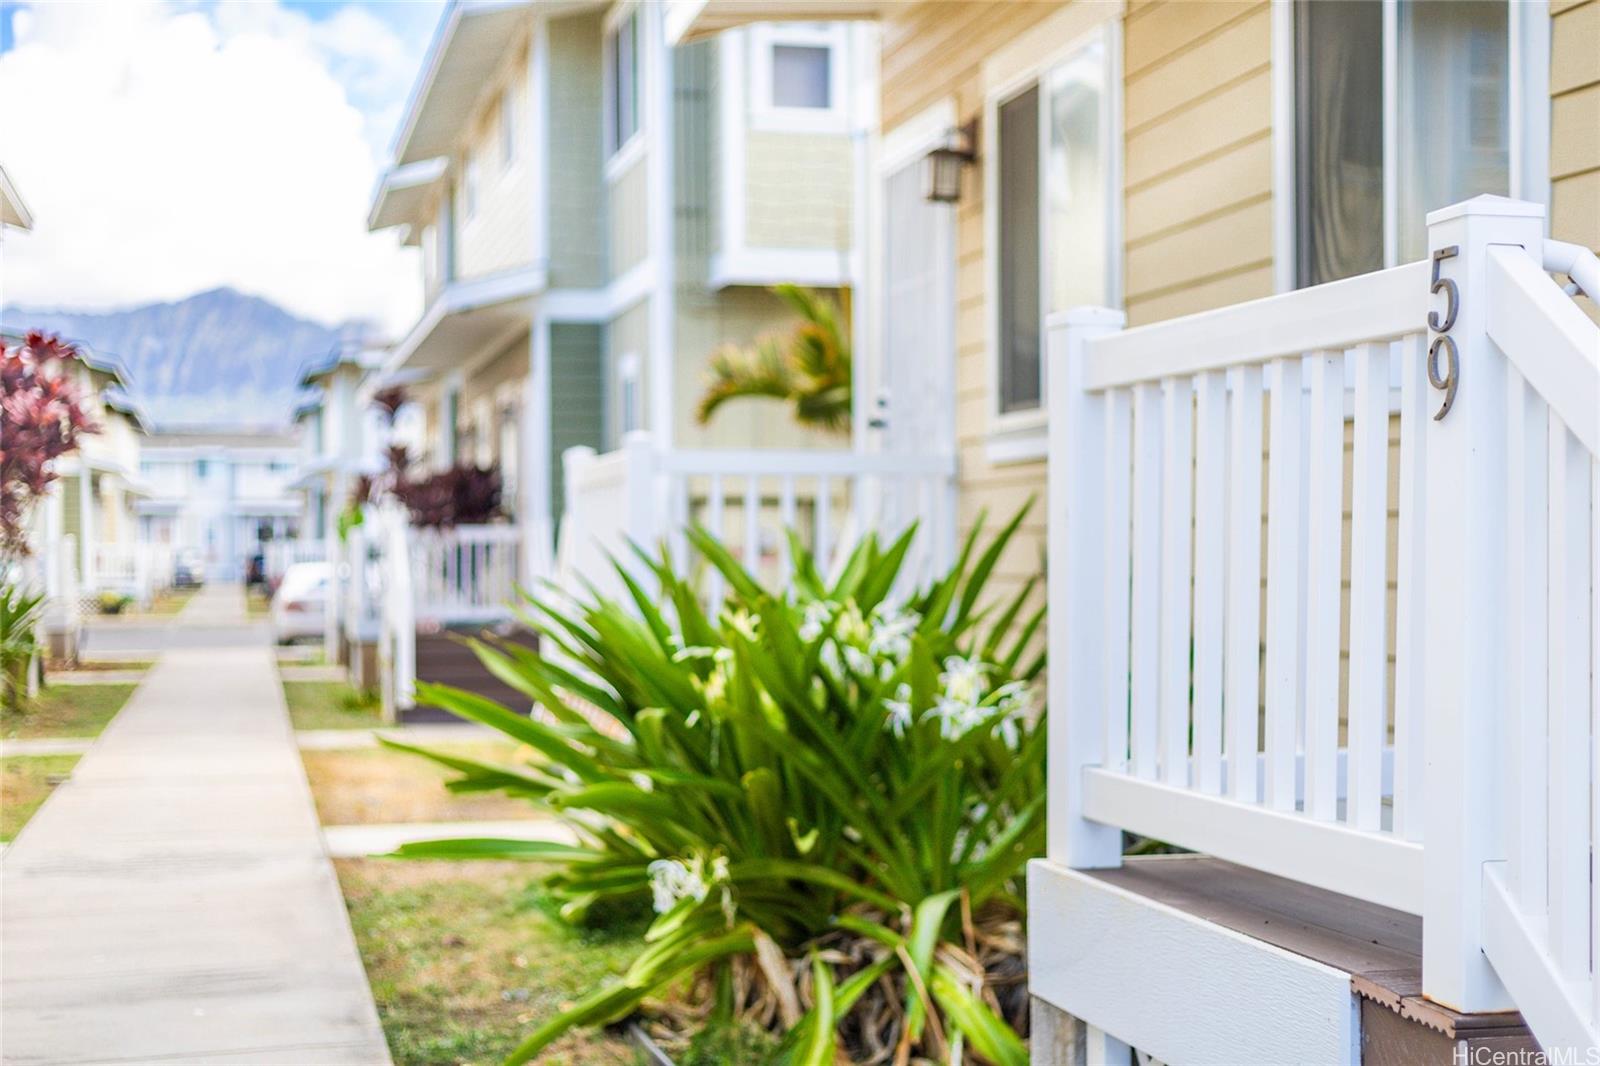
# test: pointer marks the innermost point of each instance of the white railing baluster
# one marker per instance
(752, 529)
(1410, 634)
(714, 578)
(1527, 711)
(1369, 480)
(1210, 542)
(1145, 655)
(1568, 771)
(1242, 662)
(1325, 494)
(1284, 487)
(822, 537)
(1176, 525)
(1118, 417)
(786, 524)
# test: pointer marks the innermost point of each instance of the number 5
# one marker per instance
(1452, 374)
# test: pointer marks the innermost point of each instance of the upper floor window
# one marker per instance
(800, 75)
(629, 416)
(622, 82)
(1359, 209)
(797, 76)
(508, 128)
(1053, 214)
(470, 178)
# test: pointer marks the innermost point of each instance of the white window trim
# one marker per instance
(620, 156)
(1020, 436)
(628, 365)
(471, 186)
(1527, 111)
(764, 114)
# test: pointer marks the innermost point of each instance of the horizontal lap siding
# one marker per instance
(577, 206)
(1575, 125)
(499, 235)
(1198, 156)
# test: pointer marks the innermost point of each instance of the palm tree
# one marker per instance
(809, 367)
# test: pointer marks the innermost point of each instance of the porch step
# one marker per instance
(443, 659)
(1192, 921)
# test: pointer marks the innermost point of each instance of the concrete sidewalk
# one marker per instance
(173, 902)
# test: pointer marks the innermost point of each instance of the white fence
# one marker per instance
(749, 499)
(139, 570)
(1185, 710)
(279, 555)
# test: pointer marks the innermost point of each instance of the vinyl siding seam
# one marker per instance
(1189, 102)
(1197, 220)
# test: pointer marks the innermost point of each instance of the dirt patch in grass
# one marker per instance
(465, 960)
(330, 705)
(166, 604)
(86, 666)
(26, 781)
(66, 711)
(367, 786)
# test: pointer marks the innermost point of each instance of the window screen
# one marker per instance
(1018, 165)
(800, 76)
(623, 54)
(1338, 139)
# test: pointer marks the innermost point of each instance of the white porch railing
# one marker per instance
(138, 570)
(1203, 691)
(465, 574)
(643, 494)
(279, 555)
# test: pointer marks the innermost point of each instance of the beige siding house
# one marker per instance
(1199, 169)
(597, 213)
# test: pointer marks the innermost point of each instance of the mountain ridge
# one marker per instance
(216, 357)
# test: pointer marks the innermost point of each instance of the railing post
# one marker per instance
(1466, 680)
(645, 525)
(1076, 498)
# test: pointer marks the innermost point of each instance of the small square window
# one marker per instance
(801, 76)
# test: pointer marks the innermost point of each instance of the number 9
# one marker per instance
(1451, 376)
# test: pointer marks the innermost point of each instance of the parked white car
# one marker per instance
(299, 605)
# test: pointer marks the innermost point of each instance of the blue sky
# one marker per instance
(226, 143)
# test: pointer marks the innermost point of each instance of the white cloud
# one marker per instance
(165, 150)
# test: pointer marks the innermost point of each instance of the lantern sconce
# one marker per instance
(946, 162)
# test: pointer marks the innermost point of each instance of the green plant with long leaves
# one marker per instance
(19, 642)
(828, 795)
(808, 368)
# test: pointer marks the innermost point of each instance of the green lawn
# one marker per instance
(465, 960)
(170, 602)
(330, 705)
(26, 781)
(66, 711)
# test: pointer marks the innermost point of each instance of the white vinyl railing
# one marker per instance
(279, 555)
(138, 570)
(749, 499)
(397, 637)
(466, 573)
(1221, 668)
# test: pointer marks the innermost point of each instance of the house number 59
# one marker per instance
(1443, 343)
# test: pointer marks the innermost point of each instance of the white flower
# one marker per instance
(818, 614)
(672, 881)
(900, 717)
(962, 680)
(697, 651)
(860, 662)
(891, 632)
(957, 717)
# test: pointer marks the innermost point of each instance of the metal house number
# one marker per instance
(1444, 342)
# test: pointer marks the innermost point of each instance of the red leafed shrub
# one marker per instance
(389, 401)
(42, 417)
(460, 496)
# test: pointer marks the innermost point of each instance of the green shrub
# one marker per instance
(826, 796)
(114, 602)
(19, 642)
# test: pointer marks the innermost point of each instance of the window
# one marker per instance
(628, 416)
(200, 469)
(622, 82)
(509, 458)
(1018, 194)
(1452, 104)
(1054, 210)
(796, 76)
(469, 187)
(508, 128)
(800, 75)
